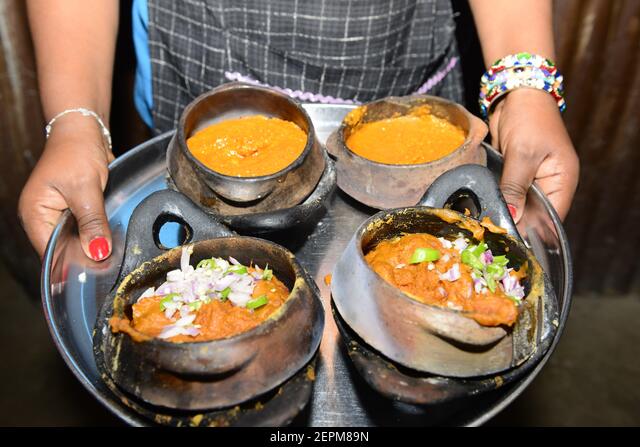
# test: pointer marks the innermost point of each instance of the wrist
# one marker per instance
(80, 117)
(77, 128)
(520, 71)
(527, 99)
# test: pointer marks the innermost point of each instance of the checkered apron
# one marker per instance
(330, 51)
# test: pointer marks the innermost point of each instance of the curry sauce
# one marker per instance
(428, 282)
(418, 137)
(215, 320)
(250, 146)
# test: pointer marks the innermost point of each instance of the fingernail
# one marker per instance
(99, 248)
(512, 210)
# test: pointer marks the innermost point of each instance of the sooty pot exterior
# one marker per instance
(431, 339)
(386, 186)
(242, 195)
(219, 373)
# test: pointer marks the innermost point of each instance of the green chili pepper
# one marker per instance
(267, 273)
(166, 300)
(239, 270)
(258, 302)
(194, 306)
(225, 293)
(495, 270)
(471, 260)
(477, 250)
(205, 263)
(491, 283)
(424, 255)
(500, 260)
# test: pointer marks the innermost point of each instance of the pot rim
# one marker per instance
(258, 330)
(182, 141)
(533, 274)
(475, 128)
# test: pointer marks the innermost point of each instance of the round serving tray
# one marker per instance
(73, 288)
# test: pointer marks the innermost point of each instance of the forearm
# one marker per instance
(512, 26)
(74, 43)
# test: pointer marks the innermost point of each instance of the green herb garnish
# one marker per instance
(477, 250)
(206, 263)
(501, 260)
(468, 257)
(194, 306)
(224, 294)
(491, 283)
(490, 272)
(258, 302)
(424, 255)
(267, 273)
(239, 269)
(166, 300)
(495, 270)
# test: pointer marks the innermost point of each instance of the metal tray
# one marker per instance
(74, 287)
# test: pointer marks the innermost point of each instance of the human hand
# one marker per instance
(527, 128)
(71, 173)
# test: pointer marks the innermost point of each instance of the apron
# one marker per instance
(328, 51)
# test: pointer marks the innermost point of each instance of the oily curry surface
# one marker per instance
(418, 137)
(216, 319)
(250, 146)
(423, 281)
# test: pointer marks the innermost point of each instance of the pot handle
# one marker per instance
(142, 242)
(477, 183)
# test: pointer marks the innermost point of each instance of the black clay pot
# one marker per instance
(215, 374)
(433, 347)
(384, 186)
(252, 204)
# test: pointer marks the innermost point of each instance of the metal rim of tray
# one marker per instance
(117, 408)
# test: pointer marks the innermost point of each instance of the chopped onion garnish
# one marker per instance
(479, 284)
(460, 244)
(453, 274)
(240, 299)
(445, 242)
(511, 286)
(188, 288)
(486, 257)
(173, 330)
(184, 258)
(490, 272)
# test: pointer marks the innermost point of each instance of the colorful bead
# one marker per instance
(521, 70)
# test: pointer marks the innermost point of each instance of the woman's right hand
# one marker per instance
(71, 173)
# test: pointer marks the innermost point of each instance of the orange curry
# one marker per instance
(418, 137)
(423, 281)
(216, 319)
(250, 146)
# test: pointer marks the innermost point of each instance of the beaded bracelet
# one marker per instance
(521, 70)
(84, 112)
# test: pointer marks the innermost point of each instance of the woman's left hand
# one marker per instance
(527, 128)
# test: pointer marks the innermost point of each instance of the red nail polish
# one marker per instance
(512, 210)
(99, 248)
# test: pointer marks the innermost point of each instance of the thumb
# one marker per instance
(87, 206)
(517, 176)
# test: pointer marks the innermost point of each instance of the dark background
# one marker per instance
(592, 379)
